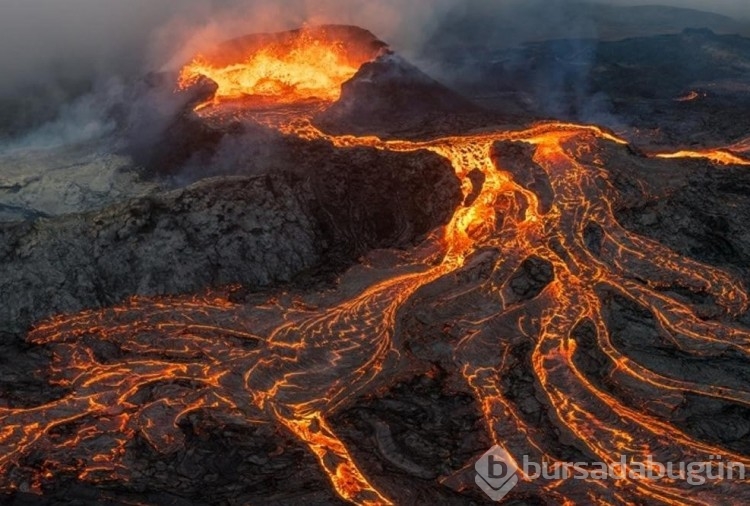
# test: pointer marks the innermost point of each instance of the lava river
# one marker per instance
(295, 363)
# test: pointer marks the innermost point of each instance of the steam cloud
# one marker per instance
(52, 51)
(38, 37)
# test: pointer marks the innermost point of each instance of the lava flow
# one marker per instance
(720, 156)
(137, 370)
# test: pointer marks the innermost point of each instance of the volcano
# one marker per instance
(361, 281)
(285, 67)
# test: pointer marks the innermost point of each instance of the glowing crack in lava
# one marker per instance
(296, 361)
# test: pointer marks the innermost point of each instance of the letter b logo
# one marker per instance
(497, 473)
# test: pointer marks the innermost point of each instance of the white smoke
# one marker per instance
(52, 51)
(41, 37)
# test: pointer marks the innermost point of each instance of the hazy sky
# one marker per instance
(734, 8)
(45, 36)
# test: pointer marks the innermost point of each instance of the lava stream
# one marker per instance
(297, 364)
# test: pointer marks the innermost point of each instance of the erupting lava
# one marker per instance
(310, 63)
(295, 362)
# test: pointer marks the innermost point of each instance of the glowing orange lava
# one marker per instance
(296, 364)
(306, 64)
(718, 156)
(693, 95)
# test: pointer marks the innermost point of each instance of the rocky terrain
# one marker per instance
(314, 251)
(414, 435)
(320, 213)
(686, 89)
(64, 180)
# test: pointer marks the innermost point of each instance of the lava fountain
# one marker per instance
(296, 363)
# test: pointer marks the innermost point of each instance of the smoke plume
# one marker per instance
(53, 53)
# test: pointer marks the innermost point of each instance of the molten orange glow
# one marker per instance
(295, 364)
(306, 65)
(716, 156)
(305, 72)
(693, 95)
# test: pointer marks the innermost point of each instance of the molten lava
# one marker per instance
(296, 363)
(693, 95)
(718, 156)
(311, 63)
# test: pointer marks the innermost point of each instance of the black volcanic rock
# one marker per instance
(391, 97)
(694, 207)
(217, 232)
(257, 231)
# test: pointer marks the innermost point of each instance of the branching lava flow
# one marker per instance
(295, 364)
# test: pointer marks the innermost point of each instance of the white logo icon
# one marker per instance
(497, 473)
